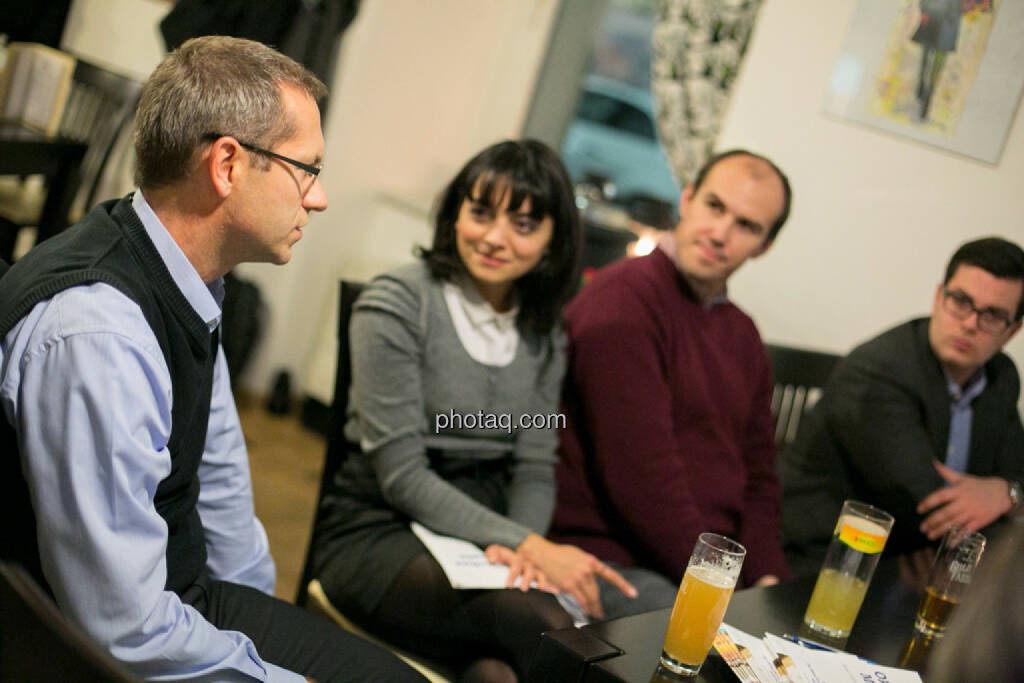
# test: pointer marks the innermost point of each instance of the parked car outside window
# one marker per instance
(612, 141)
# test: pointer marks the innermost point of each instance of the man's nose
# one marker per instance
(315, 198)
(971, 321)
(720, 228)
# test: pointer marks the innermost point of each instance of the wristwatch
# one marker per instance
(1016, 495)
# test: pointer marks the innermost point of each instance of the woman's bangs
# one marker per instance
(491, 187)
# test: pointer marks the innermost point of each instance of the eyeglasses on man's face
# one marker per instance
(960, 305)
(311, 170)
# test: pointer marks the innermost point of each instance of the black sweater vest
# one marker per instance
(111, 245)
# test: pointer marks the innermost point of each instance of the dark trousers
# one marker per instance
(295, 639)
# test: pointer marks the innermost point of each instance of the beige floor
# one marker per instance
(285, 459)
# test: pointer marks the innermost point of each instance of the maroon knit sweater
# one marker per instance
(669, 426)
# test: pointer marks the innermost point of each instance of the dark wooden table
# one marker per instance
(24, 152)
(627, 649)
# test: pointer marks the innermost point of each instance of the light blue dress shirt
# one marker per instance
(958, 447)
(84, 381)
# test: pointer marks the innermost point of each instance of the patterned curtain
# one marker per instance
(696, 49)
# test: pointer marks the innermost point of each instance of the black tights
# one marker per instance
(488, 629)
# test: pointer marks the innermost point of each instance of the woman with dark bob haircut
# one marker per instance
(457, 362)
(525, 169)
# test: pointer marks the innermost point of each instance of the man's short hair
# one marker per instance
(787, 193)
(996, 256)
(213, 84)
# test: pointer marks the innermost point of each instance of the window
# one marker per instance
(612, 113)
(611, 139)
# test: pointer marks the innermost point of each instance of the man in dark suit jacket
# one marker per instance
(921, 421)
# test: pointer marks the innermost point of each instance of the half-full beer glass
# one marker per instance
(857, 543)
(701, 602)
(951, 571)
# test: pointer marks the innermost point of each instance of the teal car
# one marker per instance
(612, 139)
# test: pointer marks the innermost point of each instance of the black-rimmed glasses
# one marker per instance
(960, 305)
(312, 170)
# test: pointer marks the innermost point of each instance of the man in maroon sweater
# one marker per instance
(669, 431)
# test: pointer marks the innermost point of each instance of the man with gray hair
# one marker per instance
(124, 455)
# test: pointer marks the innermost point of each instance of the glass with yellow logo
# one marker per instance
(853, 554)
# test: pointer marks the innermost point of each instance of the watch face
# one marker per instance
(1016, 493)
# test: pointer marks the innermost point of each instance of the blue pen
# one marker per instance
(809, 643)
(818, 646)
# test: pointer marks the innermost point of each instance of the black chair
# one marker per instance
(603, 245)
(310, 593)
(800, 376)
(100, 105)
(336, 444)
(37, 643)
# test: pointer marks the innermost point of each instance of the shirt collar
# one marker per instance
(974, 386)
(205, 299)
(668, 247)
(478, 311)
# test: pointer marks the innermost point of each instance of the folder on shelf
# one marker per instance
(34, 86)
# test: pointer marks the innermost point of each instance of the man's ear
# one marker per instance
(763, 248)
(685, 197)
(1014, 329)
(222, 164)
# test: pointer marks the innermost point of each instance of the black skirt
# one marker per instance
(363, 543)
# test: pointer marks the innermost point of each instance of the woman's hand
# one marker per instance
(518, 568)
(573, 571)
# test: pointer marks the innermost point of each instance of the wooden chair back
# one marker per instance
(101, 104)
(800, 376)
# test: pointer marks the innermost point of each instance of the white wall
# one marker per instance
(875, 216)
(121, 35)
(421, 87)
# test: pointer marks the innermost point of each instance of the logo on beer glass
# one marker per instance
(960, 571)
(861, 540)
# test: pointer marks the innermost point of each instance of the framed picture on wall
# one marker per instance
(948, 73)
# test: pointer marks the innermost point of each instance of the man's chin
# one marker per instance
(962, 362)
(699, 272)
(279, 256)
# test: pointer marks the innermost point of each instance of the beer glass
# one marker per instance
(951, 571)
(700, 603)
(916, 652)
(857, 542)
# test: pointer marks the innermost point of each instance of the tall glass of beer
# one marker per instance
(701, 602)
(853, 553)
(951, 571)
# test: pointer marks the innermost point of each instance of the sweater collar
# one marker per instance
(205, 299)
(478, 311)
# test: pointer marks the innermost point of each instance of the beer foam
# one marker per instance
(712, 576)
(864, 525)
